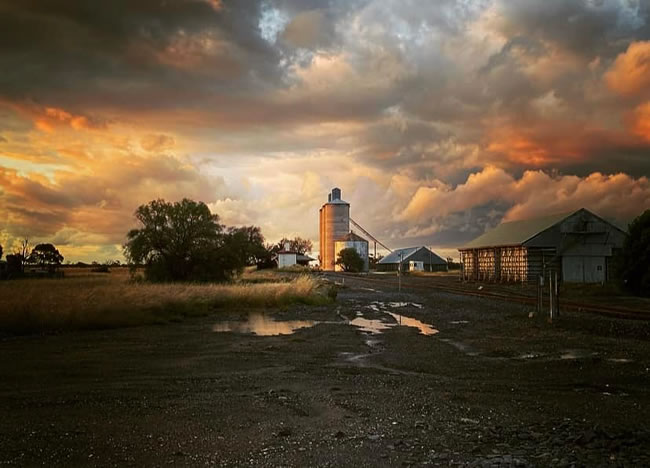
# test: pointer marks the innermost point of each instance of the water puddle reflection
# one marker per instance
(378, 326)
(371, 326)
(262, 325)
(414, 323)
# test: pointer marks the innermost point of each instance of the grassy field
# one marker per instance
(86, 300)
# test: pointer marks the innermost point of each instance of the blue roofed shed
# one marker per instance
(421, 256)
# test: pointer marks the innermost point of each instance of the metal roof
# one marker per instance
(394, 257)
(351, 237)
(515, 232)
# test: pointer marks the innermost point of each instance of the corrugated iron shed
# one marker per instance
(515, 232)
(394, 257)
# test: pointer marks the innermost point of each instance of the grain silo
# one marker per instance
(353, 241)
(334, 225)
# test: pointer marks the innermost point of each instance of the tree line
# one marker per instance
(184, 241)
(45, 257)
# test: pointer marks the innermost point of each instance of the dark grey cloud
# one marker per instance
(585, 27)
(89, 52)
(216, 68)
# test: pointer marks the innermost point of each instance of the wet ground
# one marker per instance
(377, 379)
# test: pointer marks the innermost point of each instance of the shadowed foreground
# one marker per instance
(491, 388)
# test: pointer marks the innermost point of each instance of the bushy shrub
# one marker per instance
(634, 259)
(350, 260)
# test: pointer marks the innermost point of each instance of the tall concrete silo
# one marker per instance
(334, 225)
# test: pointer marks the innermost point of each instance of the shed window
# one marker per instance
(599, 268)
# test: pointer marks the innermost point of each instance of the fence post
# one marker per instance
(540, 294)
(557, 296)
(550, 295)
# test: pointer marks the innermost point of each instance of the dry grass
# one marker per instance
(85, 300)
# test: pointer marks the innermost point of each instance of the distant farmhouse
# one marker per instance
(412, 259)
(288, 258)
(579, 246)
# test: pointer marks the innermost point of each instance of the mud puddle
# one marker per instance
(263, 325)
(378, 326)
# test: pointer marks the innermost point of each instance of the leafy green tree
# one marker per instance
(46, 256)
(268, 257)
(350, 260)
(297, 244)
(175, 241)
(635, 256)
(248, 244)
(184, 241)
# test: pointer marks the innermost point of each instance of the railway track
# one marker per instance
(609, 311)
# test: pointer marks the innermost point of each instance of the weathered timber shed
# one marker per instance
(579, 246)
(430, 260)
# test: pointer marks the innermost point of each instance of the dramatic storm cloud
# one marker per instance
(437, 119)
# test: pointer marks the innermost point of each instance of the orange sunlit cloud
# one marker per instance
(630, 73)
(436, 119)
(642, 121)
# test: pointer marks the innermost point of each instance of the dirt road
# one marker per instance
(485, 386)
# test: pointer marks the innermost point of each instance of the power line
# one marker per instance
(373, 238)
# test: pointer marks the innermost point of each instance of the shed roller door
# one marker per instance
(583, 269)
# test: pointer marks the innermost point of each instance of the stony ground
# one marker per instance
(492, 388)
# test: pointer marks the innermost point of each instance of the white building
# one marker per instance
(288, 258)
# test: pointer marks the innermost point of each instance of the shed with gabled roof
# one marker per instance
(430, 260)
(579, 246)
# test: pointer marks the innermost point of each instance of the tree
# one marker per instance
(184, 241)
(46, 256)
(297, 244)
(374, 261)
(350, 260)
(0, 251)
(635, 256)
(268, 258)
(14, 265)
(248, 243)
(176, 241)
(23, 254)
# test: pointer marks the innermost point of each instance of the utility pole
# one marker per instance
(399, 273)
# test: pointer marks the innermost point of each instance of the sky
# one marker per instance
(438, 120)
